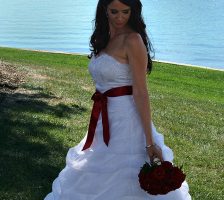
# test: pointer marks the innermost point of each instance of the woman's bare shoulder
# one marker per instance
(134, 44)
(133, 39)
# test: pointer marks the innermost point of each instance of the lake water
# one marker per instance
(189, 31)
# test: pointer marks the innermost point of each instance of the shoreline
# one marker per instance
(78, 53)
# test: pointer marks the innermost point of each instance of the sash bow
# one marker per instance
(100, 105)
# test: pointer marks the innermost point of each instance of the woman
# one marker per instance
(106, 163)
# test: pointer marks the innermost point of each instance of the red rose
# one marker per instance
(165, 189)
(154, 189)
(178, 174)
(167, 164)
(159, 173)
(160, 179)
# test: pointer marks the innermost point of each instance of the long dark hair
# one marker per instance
(101, 35)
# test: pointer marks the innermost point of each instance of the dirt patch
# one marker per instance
(10, 77)
(13, 87)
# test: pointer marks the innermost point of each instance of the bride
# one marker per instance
(121, 134)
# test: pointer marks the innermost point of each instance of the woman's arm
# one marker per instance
(137, 56)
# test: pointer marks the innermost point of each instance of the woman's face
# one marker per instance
(118, 14)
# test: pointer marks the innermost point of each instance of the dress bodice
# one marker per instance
(107, 72)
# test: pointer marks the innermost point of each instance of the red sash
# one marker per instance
(100, 104)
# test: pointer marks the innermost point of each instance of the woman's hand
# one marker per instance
(154, 151)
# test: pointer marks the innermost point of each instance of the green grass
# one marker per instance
(50, 112)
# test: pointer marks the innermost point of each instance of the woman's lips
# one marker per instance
(119, 24)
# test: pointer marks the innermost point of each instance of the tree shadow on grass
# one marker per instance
(30, 156)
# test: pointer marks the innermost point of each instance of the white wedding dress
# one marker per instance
(111, 172)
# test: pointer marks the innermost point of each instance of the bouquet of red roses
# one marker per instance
(160, 177)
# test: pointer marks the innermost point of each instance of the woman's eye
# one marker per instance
(114, 11)
(126, 11)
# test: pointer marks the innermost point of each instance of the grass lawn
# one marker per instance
(49, 113)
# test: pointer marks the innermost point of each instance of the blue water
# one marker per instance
(190, 32)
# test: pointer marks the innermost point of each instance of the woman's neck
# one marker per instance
(116, 32)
